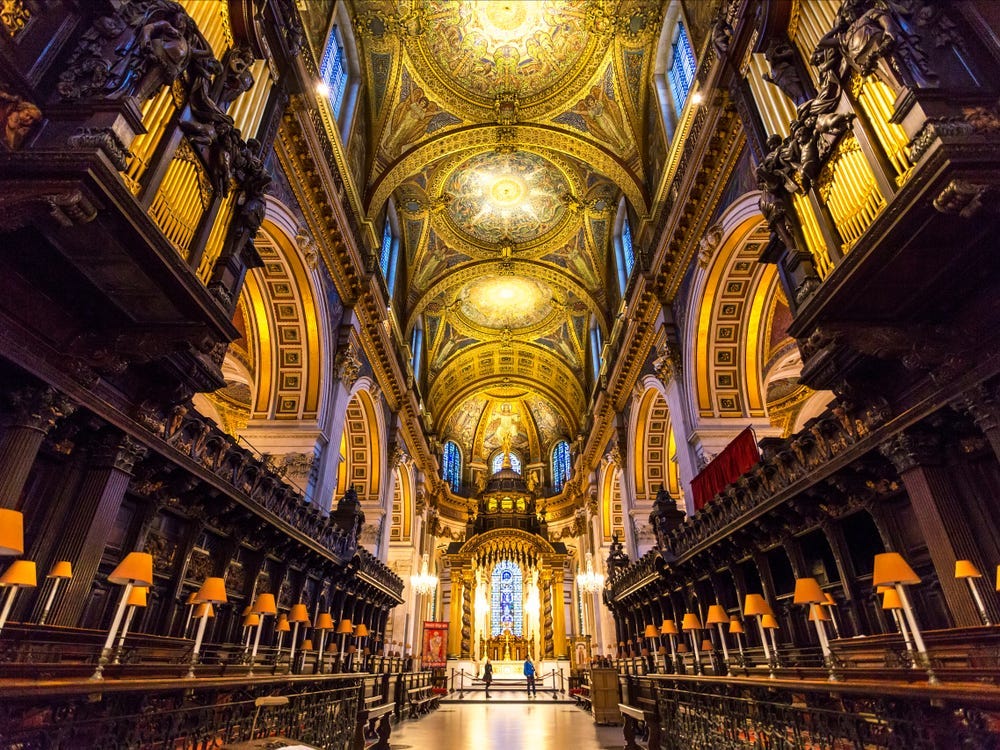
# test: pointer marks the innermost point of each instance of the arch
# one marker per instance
(401, 530)
(451, 465)
(496, 461)
(654, 451)
(477, 138)
(731, 295)
(610, 502)
(361, 446)
(283, 317)
(561, 464)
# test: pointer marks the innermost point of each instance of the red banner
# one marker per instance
(725, 468)
(435, 653)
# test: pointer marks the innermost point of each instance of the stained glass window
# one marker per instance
(385, 254)
(451, 466)
(560, 465)
(515, 462)
(506, 605)
(333, 70)
(628, 252)
(682, 69)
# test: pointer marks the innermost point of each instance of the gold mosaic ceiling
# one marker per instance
(507, 131)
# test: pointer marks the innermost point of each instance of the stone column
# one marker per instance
(916, 454)
(35, 411)
(548, 648)
(558, 586)
(467, 584)
(86, 531)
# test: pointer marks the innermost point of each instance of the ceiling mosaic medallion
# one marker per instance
(511, 302)
(522, 47)
(515, 197)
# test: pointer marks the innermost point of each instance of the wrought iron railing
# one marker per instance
(320, 712)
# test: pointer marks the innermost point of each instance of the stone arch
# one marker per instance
(654, 450)
(362, 440)
(611, 502)
(401, 528)
(731, 296)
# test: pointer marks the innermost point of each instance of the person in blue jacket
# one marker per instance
(529, 673)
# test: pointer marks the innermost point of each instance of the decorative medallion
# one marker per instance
(515, 197)
(512, 302)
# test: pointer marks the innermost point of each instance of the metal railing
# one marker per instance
(463, 682)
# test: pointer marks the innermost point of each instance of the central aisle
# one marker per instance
(506, 726)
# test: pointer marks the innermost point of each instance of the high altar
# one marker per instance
(511, 578)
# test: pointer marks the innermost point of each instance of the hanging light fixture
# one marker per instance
(423, 582)
(589, 581)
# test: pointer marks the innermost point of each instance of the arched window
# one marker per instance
(333, 70)
(560, 465)
(451, 465)
(388, 257)
(339, 73)
(682, 68)
(497, 463)
(624, 249)
(505, 609)
(417, 350)
(596, 346)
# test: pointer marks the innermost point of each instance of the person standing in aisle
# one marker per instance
(529, 673)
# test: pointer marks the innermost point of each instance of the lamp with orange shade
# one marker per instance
(691, 625)
(11, 533)
(344, 629)
(718, 616)
(136, 600)
(736, 628)
(20, 574)
(136, 569)
(298, 614)
(892, 570)
(212, 591)
(191, 604)
(967, 570)
(831, 607)
(669, 629)
(361, 632)
(324, 622)
(61, 571)
(808, 592)
(754, 605)
(263, 606)
(892, 603)
(651, 633)
(281, 627)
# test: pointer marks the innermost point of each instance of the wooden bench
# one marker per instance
(374, 724)
(582, 697)
(421, 700)
(640, 724)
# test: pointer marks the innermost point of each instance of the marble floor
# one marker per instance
(505, 726)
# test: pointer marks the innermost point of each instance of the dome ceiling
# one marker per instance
(507, 132)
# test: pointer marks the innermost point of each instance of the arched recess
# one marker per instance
(654, 451)
(275, 371)
(361, 442)
(611, 504)
(401, 529)
(729, 305)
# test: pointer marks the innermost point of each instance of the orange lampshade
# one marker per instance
(344, 627)
(891, 600)
(682, 648)
(203, 610)
(621, 644)
(735, 626)
(213, 590)
(11, 532)
(668, 628)
(755, 605)
(20, 573)
(830, 601)
(192, 598)
(818, 613)
(690, 622)
(264, 605)
(717, 615)
(998, 578)
(807, 591)
(661, 650)
(706, 645)
(246, 610)
(282, 625)
(651, 631)
(768, 622)
(324, 621)
(645, 652)
(352, 649)
(965, 569)
(298, 613)
(890, 567)
(136, 568)
(361, 631)
(137, 597)
(62, 569)
(251, 620)
(331, 647)
(883, 589)
(307, 644)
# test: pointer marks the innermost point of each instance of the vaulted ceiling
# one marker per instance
(507, 132)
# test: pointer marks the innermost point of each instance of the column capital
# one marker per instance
(912, 448)
(982, 403)
(38, 407)
(117, 451)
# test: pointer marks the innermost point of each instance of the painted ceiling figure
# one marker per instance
(507, 432)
